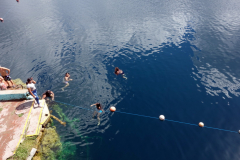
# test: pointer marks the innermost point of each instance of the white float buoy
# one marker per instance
(239, 131)
(112, 109)
(162, 117)
(201, 124)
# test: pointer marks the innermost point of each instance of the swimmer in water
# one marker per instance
(1, 19)
(66, 79)
(48, 94)
(98, 110)
(119, 72)
(17, 0)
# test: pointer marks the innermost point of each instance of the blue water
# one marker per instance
(181, 58)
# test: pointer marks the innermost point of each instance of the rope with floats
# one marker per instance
(161, 117)
(5, 15)
(1, 19)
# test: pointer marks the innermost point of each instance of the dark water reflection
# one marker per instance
(181, 59)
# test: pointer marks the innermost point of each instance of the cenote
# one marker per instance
(181, 59)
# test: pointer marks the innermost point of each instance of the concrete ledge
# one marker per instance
(38, 117)
(13, 127)
(6, 95)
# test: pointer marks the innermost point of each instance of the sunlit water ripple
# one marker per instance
(181, 59)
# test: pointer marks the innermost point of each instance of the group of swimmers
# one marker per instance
(33, 91)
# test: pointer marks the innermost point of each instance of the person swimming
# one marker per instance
(48, 94)
(119, 72)
(66, 79)
(1, 19)
(98, 110)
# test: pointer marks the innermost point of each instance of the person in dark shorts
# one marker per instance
(1, 19)
(48, 94)
(98, 110)
(5, 74)
(119, 72)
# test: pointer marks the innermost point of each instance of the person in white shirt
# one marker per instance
(32, 89)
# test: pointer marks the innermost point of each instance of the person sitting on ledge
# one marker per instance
(48, 94)
(1, 19)
(5, 74)
(2, 84)
(32, 89)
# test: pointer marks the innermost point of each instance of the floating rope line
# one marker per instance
(137, 115)
(6, 13)
(73, 105)
(161, 117)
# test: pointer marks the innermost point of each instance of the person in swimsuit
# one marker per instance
(48, 94)
(1, 19)
(5, 74)
(2, 84)
(119, 72)
(98, 110)
(66, 79)
(32, 89)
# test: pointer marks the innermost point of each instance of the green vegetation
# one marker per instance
(20, 115)
(51, 148)
(71, 123)
(19, 81)
(24, 148)
(1, 109)
(68, 150)
(50, 145)
(56, 107)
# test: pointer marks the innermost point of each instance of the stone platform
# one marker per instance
(19, 119)
(14, 95)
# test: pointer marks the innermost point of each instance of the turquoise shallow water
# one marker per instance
(181, 59)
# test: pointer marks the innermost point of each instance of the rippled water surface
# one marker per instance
(181, 58)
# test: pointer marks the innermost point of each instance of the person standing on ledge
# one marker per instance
(98, 110)
(48, 94)
(119, 72)
(66, 79)
(5, 74)
(32, 89)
